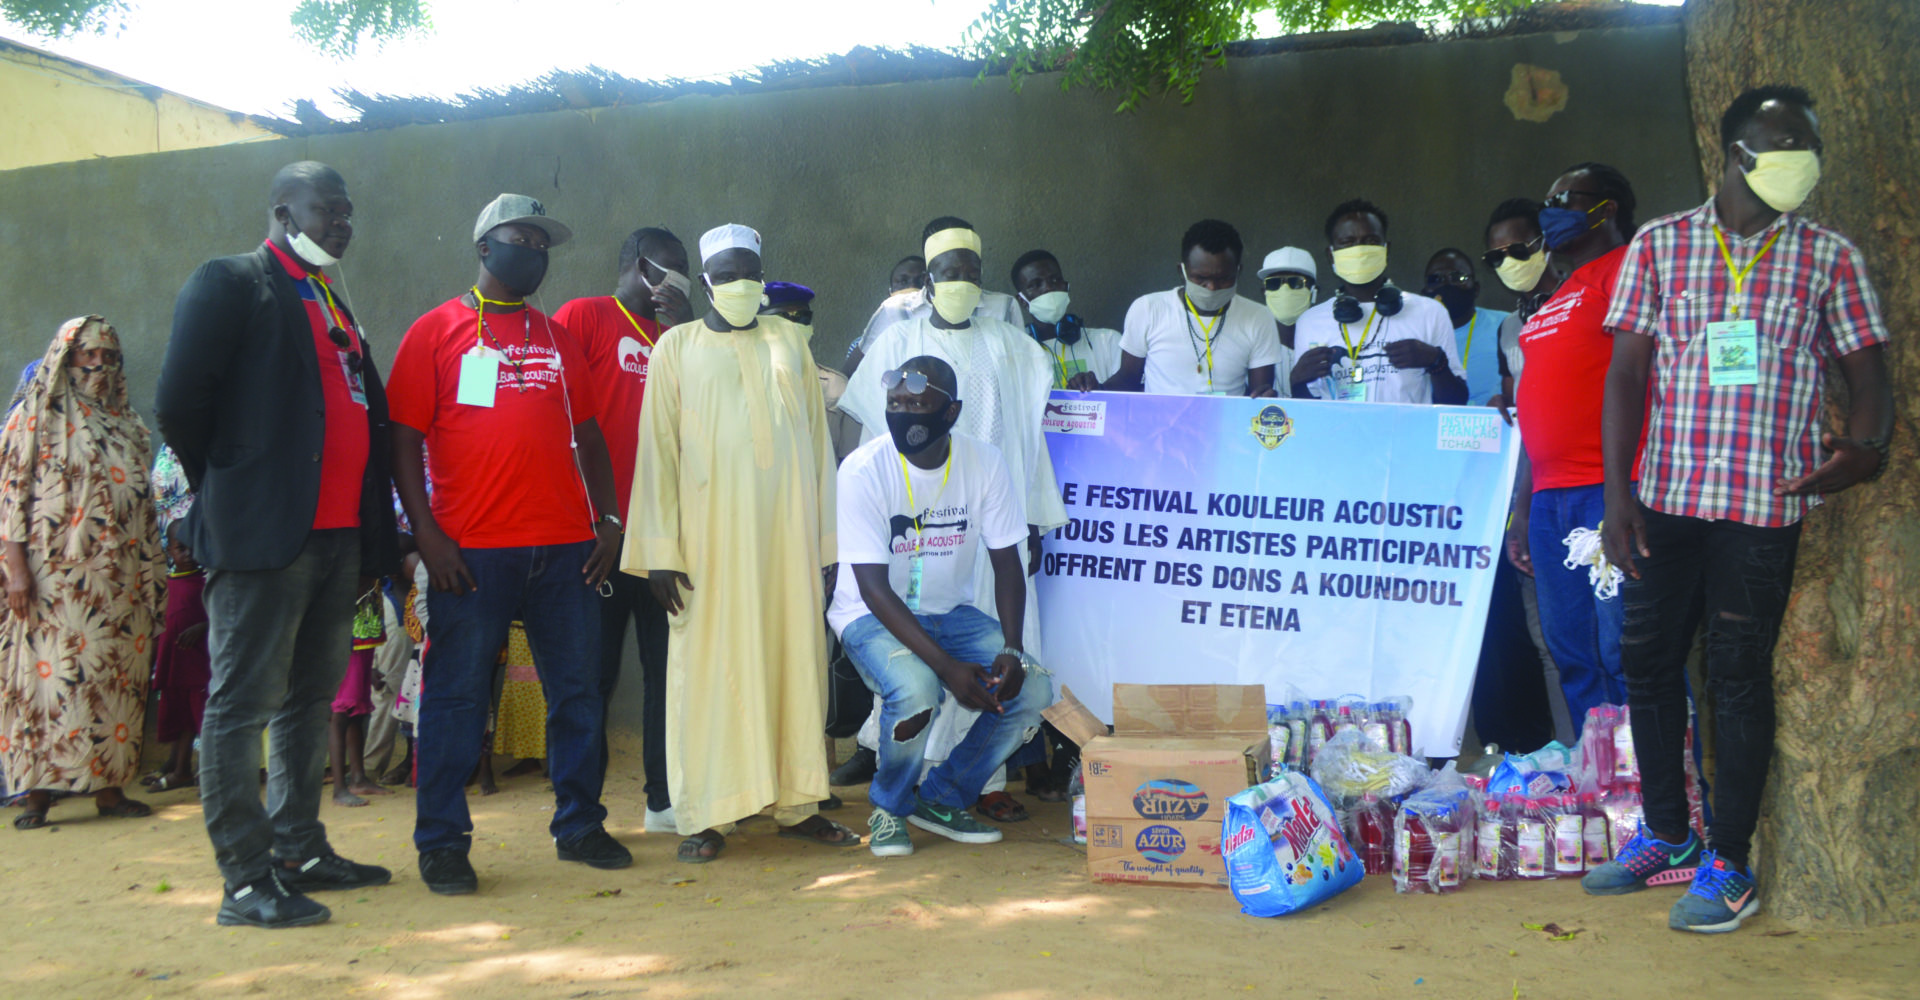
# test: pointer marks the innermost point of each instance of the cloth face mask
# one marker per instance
(955, 300)
(1783, 177)
(737, 302)
(1360, 264)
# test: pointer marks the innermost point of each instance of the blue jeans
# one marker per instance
(1582, 631)
(542, 587)
(908, 687)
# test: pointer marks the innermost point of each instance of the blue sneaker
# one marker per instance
(1722, 896)
(1642, 863)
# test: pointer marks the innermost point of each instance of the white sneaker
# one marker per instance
(661, 821)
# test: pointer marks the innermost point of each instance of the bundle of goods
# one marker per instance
(1363, 783)
(1433, 836)
(1283, 847)
(1608, 762)
(1297, 730)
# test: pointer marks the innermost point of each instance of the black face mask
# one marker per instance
(1459, 302)
(914, 432)
(521, 269)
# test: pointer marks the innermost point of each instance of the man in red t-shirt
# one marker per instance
(520, 526)
(617, 333)
(1557, 402)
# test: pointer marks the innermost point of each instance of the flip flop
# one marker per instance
(30, 820)
(1001, 808)
(847, 838)
(125, 809)
(161, 783)
(689, 850)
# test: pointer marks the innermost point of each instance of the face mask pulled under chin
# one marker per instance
(306, 249)
(955, 300)
(1203, 298)
(737, 302)
(520, 269)
(1048, 308)
(913, 433)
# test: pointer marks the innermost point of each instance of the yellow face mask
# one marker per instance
(1782, 178)
(737, 302)
(955, 300)
(1287, 304)
(1521, 275)
(1358, 265)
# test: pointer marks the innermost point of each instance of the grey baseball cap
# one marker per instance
(522, 209)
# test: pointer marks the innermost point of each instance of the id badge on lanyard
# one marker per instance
(1351, 386)
(913, 579)
(356, 385)
(1733, 353)
(479, 377)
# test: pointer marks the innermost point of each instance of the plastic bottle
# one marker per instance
(1374, 823)
(1569, 832)
(1319, 728)
(1596, 741)
(1445, 828)
(1413, 853)
(1077, 788)
(1489, 836)
(1626, 766)
(1623, 814)
(1532, 837)
(1594, 831)
(1375, 728)
(1277, 736)
(1297, 736)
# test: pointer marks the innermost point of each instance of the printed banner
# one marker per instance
(1340, 548)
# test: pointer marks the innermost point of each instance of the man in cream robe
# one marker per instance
(1005, 378)
(731, 521)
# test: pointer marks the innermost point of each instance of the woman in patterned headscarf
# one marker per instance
(85, 579)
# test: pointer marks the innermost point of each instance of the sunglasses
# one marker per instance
(1563, 199)
(916, 382)
(1460, 278)
(343, 342)
(1294, 281)
(1518, 251)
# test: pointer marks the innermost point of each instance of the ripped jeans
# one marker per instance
(909, 690)
(1738, 577)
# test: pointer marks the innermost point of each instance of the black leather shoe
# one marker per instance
(596, 849)
(265, 902)
(858, 770)
(447, 871)
(331, 871)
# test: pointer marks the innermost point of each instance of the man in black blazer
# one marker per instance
(270, 399)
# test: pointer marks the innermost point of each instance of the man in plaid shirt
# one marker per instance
(1735, 309)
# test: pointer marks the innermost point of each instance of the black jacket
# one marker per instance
(240, 403)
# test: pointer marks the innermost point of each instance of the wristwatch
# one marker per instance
(611, 519)
(1021, 654)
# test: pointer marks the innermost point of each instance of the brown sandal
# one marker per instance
(690, 848)
(125, 809)
(1001, 808)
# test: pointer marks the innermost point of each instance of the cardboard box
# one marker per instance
(1157, 788)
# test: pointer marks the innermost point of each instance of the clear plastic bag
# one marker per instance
(1348, 767)
(1433, 836)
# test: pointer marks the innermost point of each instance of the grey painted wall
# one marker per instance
(841, 180)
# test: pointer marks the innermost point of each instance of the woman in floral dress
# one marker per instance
(85, 579)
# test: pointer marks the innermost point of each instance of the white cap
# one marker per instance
(1289, 259)
(732, 236)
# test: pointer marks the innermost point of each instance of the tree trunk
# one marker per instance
(1838, 830)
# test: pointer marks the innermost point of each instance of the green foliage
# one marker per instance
(1138, 46)
(335, 27)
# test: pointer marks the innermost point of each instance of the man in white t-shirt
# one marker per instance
(915, 508)
(1083, 356)
(1370, 343)
(917, 301)
(1200, 339)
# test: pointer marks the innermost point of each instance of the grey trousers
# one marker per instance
(279, 641)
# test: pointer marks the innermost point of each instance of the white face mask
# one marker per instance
(1048, 308)
(1782, 178)
(309, 251)
(1360, 264)
(955, 300)
(674, 279)
(1287, 304)
(1206, 299)
(1522, 275)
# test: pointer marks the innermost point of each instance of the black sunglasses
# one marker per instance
(1461, 278)
(1518, 251)
(1562, 199)
(343, 342)
(1276, 282)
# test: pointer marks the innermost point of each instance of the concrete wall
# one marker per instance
(58, 110)
(841, 180)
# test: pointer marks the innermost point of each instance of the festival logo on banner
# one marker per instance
(1075, 416)
(1272, 426)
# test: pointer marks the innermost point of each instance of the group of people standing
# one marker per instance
(621, 462)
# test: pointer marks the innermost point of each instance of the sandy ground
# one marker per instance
(119, 908)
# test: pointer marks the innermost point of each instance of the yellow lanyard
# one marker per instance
(1059, 362)
(1207, 332)
(1740, 276)
(1354, 352)
(1467, 352)
(913, 511)
(481, 333)
(636, 323)
(333, 308)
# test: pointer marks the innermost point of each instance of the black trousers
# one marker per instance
(633, 601)
(1738, 576)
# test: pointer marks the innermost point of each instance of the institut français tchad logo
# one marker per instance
(1272, 426)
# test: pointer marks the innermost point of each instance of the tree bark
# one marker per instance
(1838, 837)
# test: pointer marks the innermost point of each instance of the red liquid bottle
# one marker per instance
(1374, 822)
(1413, 854)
